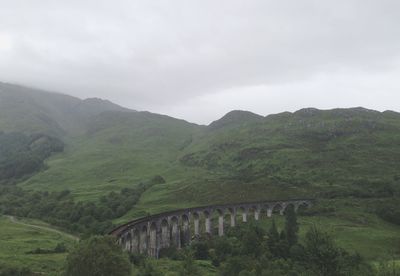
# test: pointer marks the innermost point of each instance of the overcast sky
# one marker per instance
(197, 60)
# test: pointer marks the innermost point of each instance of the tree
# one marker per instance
(291, 226)
(189, 267)
(236, 264)
(252, 240)
(149, 269)
(322, 254)
(98, 256)
(273, 239)
(200, 250)
(8, 270)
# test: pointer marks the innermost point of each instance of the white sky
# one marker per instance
(197, 60)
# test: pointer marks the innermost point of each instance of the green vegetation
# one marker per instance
(6, 270)
(97, 256)
(19, 238)
(85, 165)
(60, 209)
(251, 250)
(22, 154)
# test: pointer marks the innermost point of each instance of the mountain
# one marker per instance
(106, 146)
(32, 110)
(240, 157)
(235, 118)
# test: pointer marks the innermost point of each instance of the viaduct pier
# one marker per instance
(148, 235)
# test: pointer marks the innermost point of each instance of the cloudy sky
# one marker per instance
(198, 60)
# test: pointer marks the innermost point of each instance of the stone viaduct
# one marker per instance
(148, 235)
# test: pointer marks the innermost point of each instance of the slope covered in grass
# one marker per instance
(306, 153)
(18, 238)
(241, 157)
(348, 155)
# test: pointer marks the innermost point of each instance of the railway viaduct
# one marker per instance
(148, 235)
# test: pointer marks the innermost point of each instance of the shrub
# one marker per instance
(97, 256)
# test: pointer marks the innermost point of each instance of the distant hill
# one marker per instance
(234, 119)
(242, 156)
(31, 110)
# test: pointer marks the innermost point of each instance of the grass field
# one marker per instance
(21, 236)
(352, 229)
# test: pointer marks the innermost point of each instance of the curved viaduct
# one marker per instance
(148, 235)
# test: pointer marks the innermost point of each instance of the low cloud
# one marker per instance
(198, 59)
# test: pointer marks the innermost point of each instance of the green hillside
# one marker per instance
(31, 110)
(18, 239)
(311, 152)
(349, 159)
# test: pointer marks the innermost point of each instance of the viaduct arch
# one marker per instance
(148, 235)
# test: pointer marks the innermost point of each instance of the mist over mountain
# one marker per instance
(108, 147)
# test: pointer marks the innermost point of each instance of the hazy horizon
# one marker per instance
(199, 123)
(199, 60)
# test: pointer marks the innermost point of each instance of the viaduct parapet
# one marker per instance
(148, 235)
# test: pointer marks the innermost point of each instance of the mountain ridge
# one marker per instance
(289, 153)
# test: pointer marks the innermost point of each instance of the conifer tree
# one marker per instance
(273, 239)
(291, 226)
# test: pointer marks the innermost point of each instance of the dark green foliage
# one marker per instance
(201, 250)
(60, 209)
(223, 249)
(324, 257)
(237, 264)
(148, 269)
(170, 252)
(273, 235)
(291, 226)
(188, 265)
(22, 154)
(248, 250)
(158, 179)
(252, 241)
(276, 244)
(8, 270)
(137, 259)
(389, 210)
(322, 254)
(97, 256)
(390, 268)
(60, 248)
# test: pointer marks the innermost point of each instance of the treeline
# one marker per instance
(251, 250)
(246, 250)
(59, 248)
(60, 209)
(11, 270)
(22, 154)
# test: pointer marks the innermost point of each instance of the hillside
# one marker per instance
(84, 165)
(107, 147)
(32, 110)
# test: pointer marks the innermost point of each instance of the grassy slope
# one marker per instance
(120, 150)
(16, 239)
(290, 155)
(241, 157)
(31, 110)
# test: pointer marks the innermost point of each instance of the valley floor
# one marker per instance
(373, 238)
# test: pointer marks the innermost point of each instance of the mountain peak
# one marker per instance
(235, 117)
